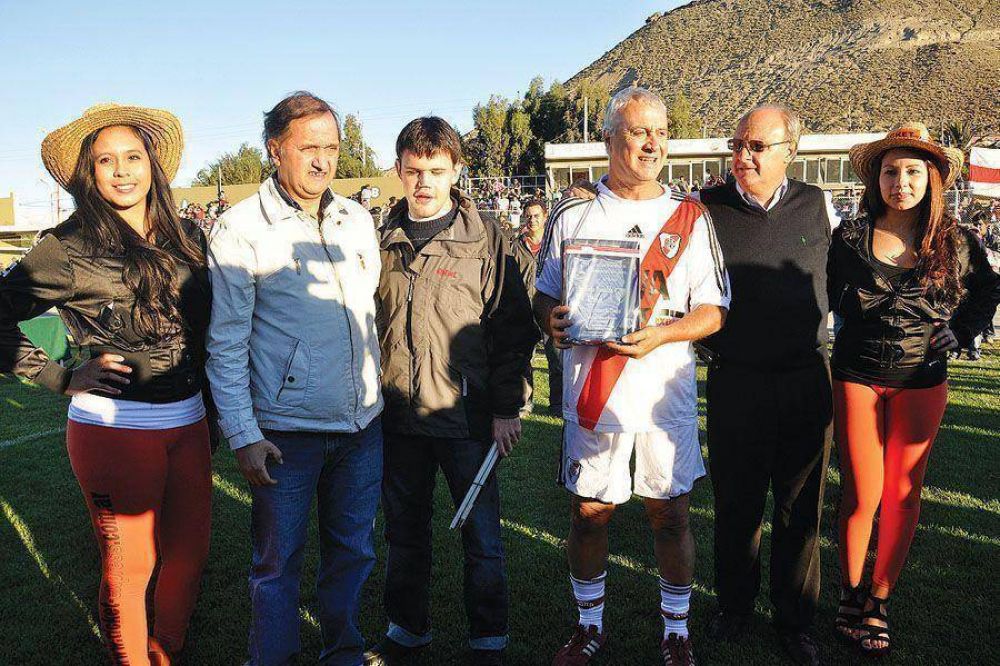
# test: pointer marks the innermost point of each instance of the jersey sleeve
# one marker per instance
(709, 280)
(549, 277)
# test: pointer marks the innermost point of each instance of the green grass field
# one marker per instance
(943, 611)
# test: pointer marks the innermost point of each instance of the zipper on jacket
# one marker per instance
(350, 332)
(409, 339)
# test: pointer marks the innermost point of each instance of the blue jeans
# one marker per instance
(411, 464)
(343, 472)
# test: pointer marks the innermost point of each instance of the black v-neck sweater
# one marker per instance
(777, 267)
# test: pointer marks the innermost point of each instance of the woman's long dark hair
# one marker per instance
(937, 232)
(149, 267)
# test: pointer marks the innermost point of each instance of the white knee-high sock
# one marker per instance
(675, 601)
(590, 600)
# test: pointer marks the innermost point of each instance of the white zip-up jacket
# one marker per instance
(292, 343)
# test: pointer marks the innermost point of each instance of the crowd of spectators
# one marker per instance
(204, 216)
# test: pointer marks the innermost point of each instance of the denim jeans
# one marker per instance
(411, 463)
(343, 472)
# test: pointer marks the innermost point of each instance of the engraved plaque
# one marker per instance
(601, 288)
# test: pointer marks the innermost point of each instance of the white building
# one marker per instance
(821, 160)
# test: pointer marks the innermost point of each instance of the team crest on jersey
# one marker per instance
(634, 232)
(669, 245)
(574, 469)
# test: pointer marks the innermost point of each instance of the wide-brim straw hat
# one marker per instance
(61, 148)
(915, 137)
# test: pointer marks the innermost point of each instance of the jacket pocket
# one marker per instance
(295, 379)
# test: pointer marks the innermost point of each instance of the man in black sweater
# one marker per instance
(769, 395)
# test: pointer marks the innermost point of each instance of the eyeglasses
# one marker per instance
(737, 145)
(643, 133)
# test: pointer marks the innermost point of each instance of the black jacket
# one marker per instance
(888, 328)
(96, 306)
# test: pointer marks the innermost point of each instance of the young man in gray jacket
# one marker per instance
(294, 371)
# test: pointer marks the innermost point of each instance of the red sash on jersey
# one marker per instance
(661, 258)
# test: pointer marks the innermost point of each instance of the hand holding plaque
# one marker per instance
(601, 289)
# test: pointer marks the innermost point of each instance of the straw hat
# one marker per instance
(908, 135)
(61, 148)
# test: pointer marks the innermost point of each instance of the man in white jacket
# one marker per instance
(294, 373)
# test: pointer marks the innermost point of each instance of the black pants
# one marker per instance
(769, 429)
(411, 464)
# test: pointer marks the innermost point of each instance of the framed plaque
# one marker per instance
(601, 288)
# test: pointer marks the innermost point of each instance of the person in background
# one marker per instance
(533, 230)
(910, 285)
(129, 280)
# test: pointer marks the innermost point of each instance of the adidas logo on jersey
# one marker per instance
(634, 232)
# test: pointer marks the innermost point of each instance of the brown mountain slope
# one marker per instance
(843, 64)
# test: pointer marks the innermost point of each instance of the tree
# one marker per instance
(357, 158)
(683, 124)
(958, 133)
(245, 165)
(487, 147)
(519, 140)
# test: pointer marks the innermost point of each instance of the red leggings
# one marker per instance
(884, 437)
(147, 491)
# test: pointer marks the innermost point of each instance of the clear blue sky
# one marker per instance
(219, 65)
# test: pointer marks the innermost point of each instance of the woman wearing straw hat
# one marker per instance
(130, 282)
(910, 286)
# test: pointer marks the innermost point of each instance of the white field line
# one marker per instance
(243, 497)
(32, 437)
(29, 545)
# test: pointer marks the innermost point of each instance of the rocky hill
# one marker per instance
(843, 64)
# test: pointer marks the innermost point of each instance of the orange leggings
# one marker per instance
(147, 491)
(884, 437)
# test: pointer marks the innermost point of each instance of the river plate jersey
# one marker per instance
(682, 268)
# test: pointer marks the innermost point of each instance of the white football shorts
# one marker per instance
(597, 464)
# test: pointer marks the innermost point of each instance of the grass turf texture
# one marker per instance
(942, 611)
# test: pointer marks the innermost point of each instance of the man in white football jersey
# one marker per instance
(641, 394)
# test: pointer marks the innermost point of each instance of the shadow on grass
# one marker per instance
(941, 611)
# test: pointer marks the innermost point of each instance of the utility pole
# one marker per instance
(586, 118)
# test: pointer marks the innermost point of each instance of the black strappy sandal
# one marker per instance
(872, 632)
(852, 606)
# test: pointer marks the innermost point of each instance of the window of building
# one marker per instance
(849, 175)
(561, 177)
(681, 170)
(797, 169)
(598, 172)
(832, 174)
(812, 171)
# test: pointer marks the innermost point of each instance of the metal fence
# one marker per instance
(488, 192)
(959, 202)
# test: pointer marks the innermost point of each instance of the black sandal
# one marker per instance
(873, 632)
(852, 605)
